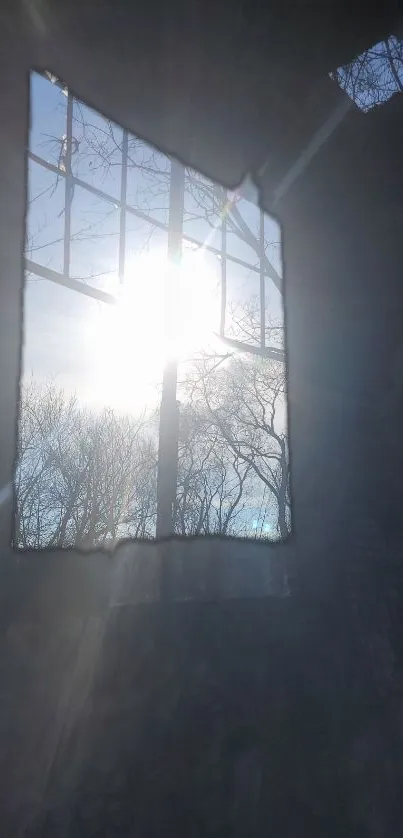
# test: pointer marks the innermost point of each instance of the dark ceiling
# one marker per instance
(225, 85)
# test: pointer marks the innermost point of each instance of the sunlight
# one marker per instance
(197, 286)
(132, 340)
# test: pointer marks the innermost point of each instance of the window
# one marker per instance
(153, 393)
(374, 76)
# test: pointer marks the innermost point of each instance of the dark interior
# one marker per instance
(262, 693)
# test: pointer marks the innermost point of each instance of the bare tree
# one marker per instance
(85, 479)
(82, 479)
(375, 76)
(241, 412)
(212, 489)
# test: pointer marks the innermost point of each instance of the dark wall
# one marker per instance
(242, 718)
(121, 715)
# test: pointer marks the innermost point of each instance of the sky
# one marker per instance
(77, 342)
(370, 80)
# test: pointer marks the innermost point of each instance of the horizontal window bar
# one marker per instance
(266, 352)
(68, 282)
(118, 204)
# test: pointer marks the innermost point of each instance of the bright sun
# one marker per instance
(131, 340)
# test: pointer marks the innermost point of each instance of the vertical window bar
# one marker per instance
(262, 283)
(169, 425)
(223, 264)
(123, 193)
(69, 185)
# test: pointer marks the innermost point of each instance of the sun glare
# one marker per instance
(133, 339)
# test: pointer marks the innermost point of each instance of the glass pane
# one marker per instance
(233, 472)
(243, 231)
(274, 303)
(87, 347)
(94, 249)
(202, 209)
(96, 150)
(45, 218)
(274, 317)
(272, 246)
(143, 299)
(148, 177)
(48, 111)
(143, 237)
(242, 318)
(56, 344)
(197, 300)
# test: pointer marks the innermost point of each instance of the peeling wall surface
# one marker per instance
(218, 688)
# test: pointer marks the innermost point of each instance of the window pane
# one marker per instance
(142, 238)
(243, 304)
(202, 209)
(144, 301)
(272, 244)
(96, 150)
(274, 317)
(243, 237)
(94, 249)
(274, 304)
(148, 177)
(45, 217)
(48, 110)
(56, 337)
